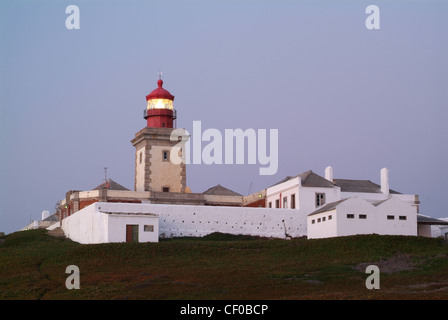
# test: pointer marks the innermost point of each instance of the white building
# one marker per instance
(103, 222)
(430, 227)
(340, 207)
(355, 215)
(304, 192)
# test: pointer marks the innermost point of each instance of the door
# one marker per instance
(131, 233)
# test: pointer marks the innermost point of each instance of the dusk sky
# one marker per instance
(338, 93)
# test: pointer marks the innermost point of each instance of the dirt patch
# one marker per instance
(400, 262)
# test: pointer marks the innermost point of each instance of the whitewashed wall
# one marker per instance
(282, 190)
(197, 221)
(318, 228)
(396, 208)
(86, 226)
(307, 197)
(356, 206)
(117, 227)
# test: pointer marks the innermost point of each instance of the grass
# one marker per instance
(221, 266)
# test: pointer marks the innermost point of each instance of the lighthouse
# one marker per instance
(154, 171)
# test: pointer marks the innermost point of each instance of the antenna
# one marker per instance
(160, 73)
(250, 187)
(105, 174)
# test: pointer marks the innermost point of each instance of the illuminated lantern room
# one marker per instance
(159, 112)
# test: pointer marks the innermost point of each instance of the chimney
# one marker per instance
(45, 214)
(385, 181)
(329, 173)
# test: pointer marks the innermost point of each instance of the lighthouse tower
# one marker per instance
(154, 170)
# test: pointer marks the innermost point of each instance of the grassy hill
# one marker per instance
(32, 266)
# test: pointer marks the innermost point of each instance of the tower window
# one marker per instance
(165, 155)
(166, 189)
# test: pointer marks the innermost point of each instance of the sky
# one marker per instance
(71, 100)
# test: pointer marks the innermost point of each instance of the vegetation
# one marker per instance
(220, 266)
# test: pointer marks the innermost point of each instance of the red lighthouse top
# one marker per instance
(159, 112)
(160, 93)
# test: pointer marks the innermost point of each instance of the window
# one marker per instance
(313, 221)
(350, 216)
(165, 155)
(270, 205)
(329, 217)
(402, 217)
(141, 155)
(277, 203)
(285, 202)
(293, 201)
(320, 199)
(318, 220)
(165, 189)
(390, 217)
(362, 216)
(148, 228)
(323, 219)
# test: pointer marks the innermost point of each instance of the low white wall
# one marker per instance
(196, 221)
(86, 226)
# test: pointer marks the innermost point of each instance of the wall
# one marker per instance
(307, 197)
(164, 173)
(140, 168)
(117, 227)
(322, 229)
(424, 230)
(356, 206)
(396, 208)
(86, 226)
(285, 189)
(189, 220)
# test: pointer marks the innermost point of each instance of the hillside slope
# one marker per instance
(33, 264)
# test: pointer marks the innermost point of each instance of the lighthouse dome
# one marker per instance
(160, 93)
